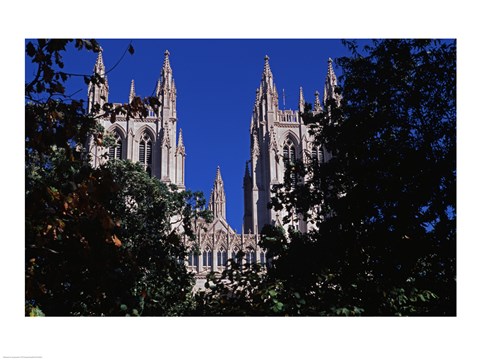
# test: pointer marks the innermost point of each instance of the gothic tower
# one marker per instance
(98, 92)
(217, 202)
(277, 138)
(150, 141)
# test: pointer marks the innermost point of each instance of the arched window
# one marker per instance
(289, 159)
(289, 152)
(192, 259)
(263, 258)
(145, 152)
(234, 255)
(317, 154)
(250, 256)
(222, 257)
(207, 257)
(115, 151)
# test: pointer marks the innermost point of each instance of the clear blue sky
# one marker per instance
(216, 82)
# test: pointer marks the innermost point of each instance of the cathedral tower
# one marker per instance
(98, 91)
(217, 202)
(277, 138)
(150, 141)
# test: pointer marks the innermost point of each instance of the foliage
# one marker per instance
(382, 210)
(98, 241)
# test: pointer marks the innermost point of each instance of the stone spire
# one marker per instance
(267, 100)
(267, 77)
(217, 197)
(267, 72)
(301, 101)
(132, 92)
(98, 92)
(166, 91)
(317, 107)
(180, 161)
(166, 76)
(99, 67)
(246, 176)
(330, 84)
(180, 146)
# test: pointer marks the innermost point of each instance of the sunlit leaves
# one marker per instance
(116, 240)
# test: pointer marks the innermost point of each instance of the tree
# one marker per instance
(382, 210)
(99, 241)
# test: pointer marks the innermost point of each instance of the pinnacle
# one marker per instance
(99, 67)
(317, 106)
(166, 62)
(100, 57)
(180, 138)
(267, 77)
(266, 68)
(330, 72)
(218, 176)
(132, 91)
(247, 171)
(330, 82)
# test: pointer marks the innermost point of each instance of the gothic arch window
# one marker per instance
(145, 152)
(192, 259)
(289, 156)
(289, 152)
(250, 256)
(234, 255)
(115, 151)
(207, 257)
(263, 258)
(222, 257)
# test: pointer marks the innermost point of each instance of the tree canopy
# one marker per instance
(382, 210)
(99, 241)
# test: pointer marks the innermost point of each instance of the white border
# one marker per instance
(199, 338)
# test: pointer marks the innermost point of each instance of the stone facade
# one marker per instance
(277, 137)
(153, 140)
(217, 241)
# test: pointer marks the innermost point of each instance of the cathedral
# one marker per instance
(151, 141)
(277, 138)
